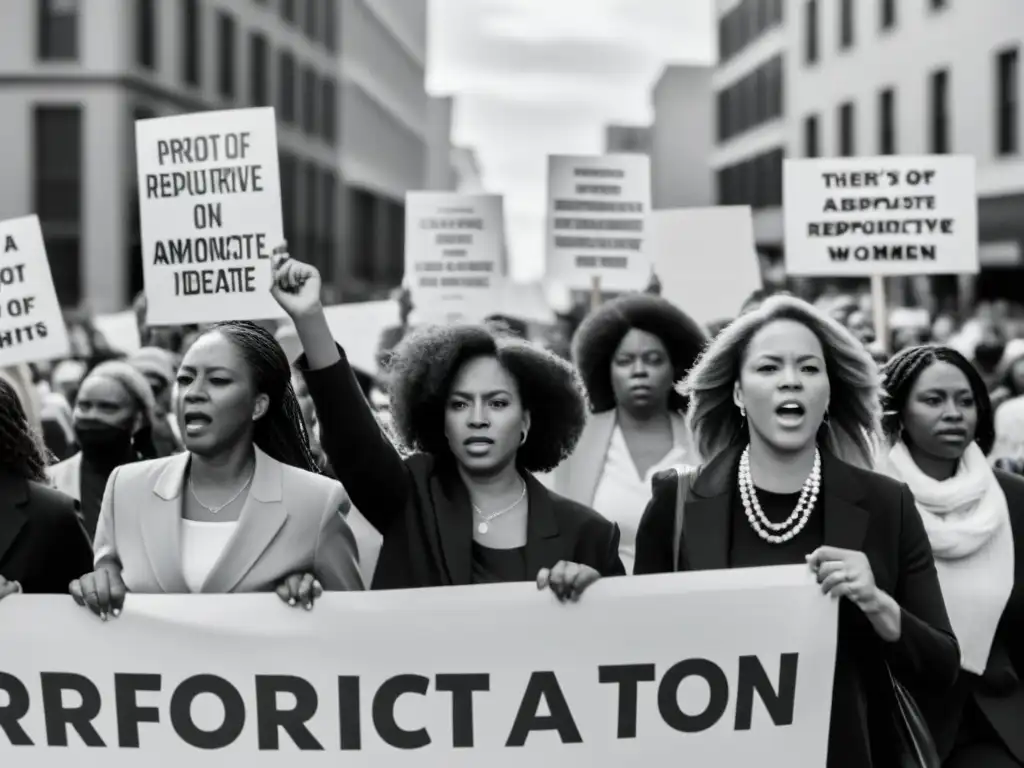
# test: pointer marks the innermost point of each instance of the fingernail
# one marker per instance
(291, 601)
(309, 606)
(103, 616)
(117, 612)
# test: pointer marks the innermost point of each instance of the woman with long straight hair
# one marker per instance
(243, 509)
(784, 408)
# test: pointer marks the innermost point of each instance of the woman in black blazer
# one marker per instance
(481, 413)
(43, 545)
(777, 402)
(938, 419)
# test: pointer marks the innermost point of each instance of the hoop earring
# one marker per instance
(522, 437)
(743, 412)
(825, 419)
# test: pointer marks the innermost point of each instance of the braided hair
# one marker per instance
(21, 449)
(281, 433)
(902, 371)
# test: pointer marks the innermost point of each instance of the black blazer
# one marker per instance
(422, 508)
(863, 511)
(999, 693)
(43, 543)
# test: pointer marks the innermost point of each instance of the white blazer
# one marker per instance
(292, 522)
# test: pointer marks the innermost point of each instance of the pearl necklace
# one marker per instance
(778, 533)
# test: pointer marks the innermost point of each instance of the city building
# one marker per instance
(440, 174)
(345, 76)
(682, 138)
(466, 171)
(627, 139)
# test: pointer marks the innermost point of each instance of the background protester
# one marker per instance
(776, 403)
(938, 419)
(243, 509)
(42, 543)
(113, 420)
(630, 353)
(481, 414)
(159, 367)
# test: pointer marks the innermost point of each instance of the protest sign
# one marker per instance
(453, 249)
(31, 324)
(597, 210)
(210, 206)
(880, 216)
(705, 259)
(717, 669)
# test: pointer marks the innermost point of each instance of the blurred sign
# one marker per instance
(31, 324)
(210, 206)
(881, 216)
(597, 221)
(453, 254)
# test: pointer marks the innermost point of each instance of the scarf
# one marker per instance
(968, 524)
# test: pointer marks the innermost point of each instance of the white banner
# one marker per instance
(597, 221)
(712, 670)
(210, 206)
(453, 255)
(31, 323)
(863, 216)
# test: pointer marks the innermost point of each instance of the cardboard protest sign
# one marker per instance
(31, 323)
(453, 250)
(719, 668)
(864, 216)
(210, 205)
(705, 259)
(597, 211)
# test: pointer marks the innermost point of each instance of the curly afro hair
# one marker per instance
(426, 363)
(601, 332)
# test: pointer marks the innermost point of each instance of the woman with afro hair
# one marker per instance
(43, 545)
(479, 413)
(630, 353)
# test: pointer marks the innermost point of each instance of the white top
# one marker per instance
(202, 544)
(622, 494)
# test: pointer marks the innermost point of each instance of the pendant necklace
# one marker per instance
(484, 526)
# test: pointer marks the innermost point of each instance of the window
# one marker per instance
(329, 215)
(887, 122)
(286, 87)
(57, 149)
(330, 21)
(191, 55)
(812, 146)
(887, 14)
(289, 197)
(145, 39)
(134, 250)
(226, 40)
(328, 111)
(259, 72)
(811, 31)
(756, 182)
(751, 102)
(1008, 102)
(289, 12)
(310, 92)
(58, 30)
(939, 91)
(846, 24)
(311, 208)
(312, 20)
(847, 145)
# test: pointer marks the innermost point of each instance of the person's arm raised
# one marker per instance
(362, 455)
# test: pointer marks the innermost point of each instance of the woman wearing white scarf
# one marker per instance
(938, 418)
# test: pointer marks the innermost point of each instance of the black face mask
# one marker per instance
(989, 354)
(103, 441)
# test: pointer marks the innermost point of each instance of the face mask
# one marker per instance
(989, 354)
(103, 440)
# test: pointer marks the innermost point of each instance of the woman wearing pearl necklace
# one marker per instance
(783, 408)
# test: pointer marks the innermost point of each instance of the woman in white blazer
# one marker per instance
(243, 510)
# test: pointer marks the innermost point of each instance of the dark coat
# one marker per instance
(863, 511)
(422, 508)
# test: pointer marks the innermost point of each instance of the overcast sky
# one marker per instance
(539, 77)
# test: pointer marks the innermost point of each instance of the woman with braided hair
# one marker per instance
(243, 509)
(42, 543)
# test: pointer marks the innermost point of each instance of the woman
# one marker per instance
(938, 420)
(42, 543)
(630, 353)
(777, 403)
(113, 418)
(159, 366)
(242, 508)
(482, 413)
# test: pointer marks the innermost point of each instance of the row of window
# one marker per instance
(752, 101)
(58, 25)
(847, 32)
(756, 182)
(1007, 122)
(745, 23)
(309, 196)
